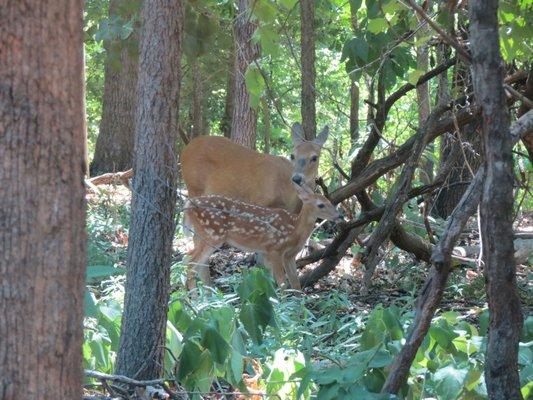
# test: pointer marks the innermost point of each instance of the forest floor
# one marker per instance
(329, 320)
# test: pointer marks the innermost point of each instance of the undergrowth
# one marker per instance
(321, 345)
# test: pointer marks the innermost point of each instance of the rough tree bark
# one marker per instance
(225, 123)
(307, 59)
(114, 145)
(354, 88)
(197, 98)
(501, 369)
(467, 140)
(244, 120)
(266, 123)
(422, 94)
(42, 199)
(140, 353)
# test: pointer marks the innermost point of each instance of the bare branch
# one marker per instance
(450, 40)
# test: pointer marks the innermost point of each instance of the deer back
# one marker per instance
(216, 165)
(246, 226)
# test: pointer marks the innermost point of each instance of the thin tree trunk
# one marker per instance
(422, 93)
(465, 139)
(501, 369)
(354, 113)
(307, 24)
(42, 199)
(225, 124)
(140, 354)
(197, 98)
(266, 123)
(354, 90)
(114, 145)
(244, 120)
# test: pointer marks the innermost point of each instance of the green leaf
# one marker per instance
(102, 271)
(236, 368)
(355, 5)
(251, 322)
(527, 391)
(268, 38)
(189, 357)
(255, 84)
(414, 76)
(264, 10)
(377, 25)
(89, 303)
(217, 346)
(179, 317)
(472, 379)
(288, 4)
(450, 381)
(328, 392)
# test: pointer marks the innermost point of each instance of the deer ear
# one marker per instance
(322, 137)
(297, 134)
(302, 190)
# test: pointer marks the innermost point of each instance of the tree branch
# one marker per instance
(431, 293)
(450, 40)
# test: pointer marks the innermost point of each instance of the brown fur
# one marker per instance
(216, 165)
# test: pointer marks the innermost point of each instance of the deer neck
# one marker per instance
(305, 222)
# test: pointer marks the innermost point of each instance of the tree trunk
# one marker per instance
(140, 354)
(197, 98)
(114, 145)
(42, 199)
(501, 368)
(307, 24)
(422, 93)
(354, 90)
(465, 140)
(354, 113)
(225, 124)
(266, 123)
(244, 120)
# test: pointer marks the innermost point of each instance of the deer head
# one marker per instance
(305, 155)
(322, 207)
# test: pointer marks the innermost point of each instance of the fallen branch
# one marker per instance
(117, 178)
(124, 379)
(396, 199)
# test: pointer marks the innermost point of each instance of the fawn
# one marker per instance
(273, 232)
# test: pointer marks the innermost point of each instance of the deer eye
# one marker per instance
(321, 205)
(292, 156)
(314, 158)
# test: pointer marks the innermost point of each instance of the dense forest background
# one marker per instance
(423, 292)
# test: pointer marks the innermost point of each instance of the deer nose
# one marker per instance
(297, 178)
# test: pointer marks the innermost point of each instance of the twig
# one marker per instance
(124, 379)
(451, 41)
(517, 95)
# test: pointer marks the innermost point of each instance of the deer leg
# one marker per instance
(198, 263)
(275, 265)
(289, 264)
